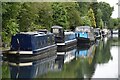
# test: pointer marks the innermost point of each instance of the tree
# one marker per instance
(59, 15)
(95, 7)
(83, 8)
(92, 18)
(33, 16)
(27, 16)
(86, 21)
(45, 13)
(10, 26)
(106, 11)
(99, 21)
(73, 14)
(101, 25)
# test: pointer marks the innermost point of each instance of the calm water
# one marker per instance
(96, 61)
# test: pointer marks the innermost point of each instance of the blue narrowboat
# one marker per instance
(84, 35)
(64, 40)
(31, 44)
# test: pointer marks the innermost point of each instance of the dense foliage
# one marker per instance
(114, 23)
(30, 16)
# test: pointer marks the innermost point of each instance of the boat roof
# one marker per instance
(34, 33)
(67, 33)
(59, 27)
(44, 31)
(81, 27)
(29, 33)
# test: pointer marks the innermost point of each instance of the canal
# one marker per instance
(96, 61)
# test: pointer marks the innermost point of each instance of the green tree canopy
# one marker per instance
(59, 15)
(92, 18)
(106, 11)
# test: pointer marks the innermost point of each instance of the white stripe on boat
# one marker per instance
(20, 52)
(70, 41)
(21, 64)
(60, 53)
(28, 52)
(66, 42)
(60, 44)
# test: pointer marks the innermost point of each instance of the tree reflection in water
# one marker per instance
(83, 66)
(103, 52)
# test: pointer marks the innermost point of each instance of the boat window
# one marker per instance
(55, 30)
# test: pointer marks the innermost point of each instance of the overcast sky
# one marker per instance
(112, 4)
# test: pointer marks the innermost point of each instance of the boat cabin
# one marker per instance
(61, 36)
(59, 33)
(31, 41)
(84, 34)
(83, 31)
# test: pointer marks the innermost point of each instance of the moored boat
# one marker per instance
(64, 40)
(97, 33)
(28, 45)
(84, 35)
(104, 32)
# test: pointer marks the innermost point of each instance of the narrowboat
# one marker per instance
(104, 32)
(84, 35)
(28, 45)
(64, 40)
(97, 33)
(31, 69)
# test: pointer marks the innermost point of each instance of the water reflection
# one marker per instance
(107, 58)
(31, 69)
(85, 51)
(73, 64)
(95, 61)
(103, 51)
(65, 57)
(86, 61)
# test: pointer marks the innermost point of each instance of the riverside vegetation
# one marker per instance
(31, 16)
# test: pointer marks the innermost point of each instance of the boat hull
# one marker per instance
(98, 37)
(84, 41)
(67, 45)
(31, 56)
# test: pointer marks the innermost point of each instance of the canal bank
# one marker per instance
(102, 63)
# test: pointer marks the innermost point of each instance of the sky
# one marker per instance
(112, 4)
